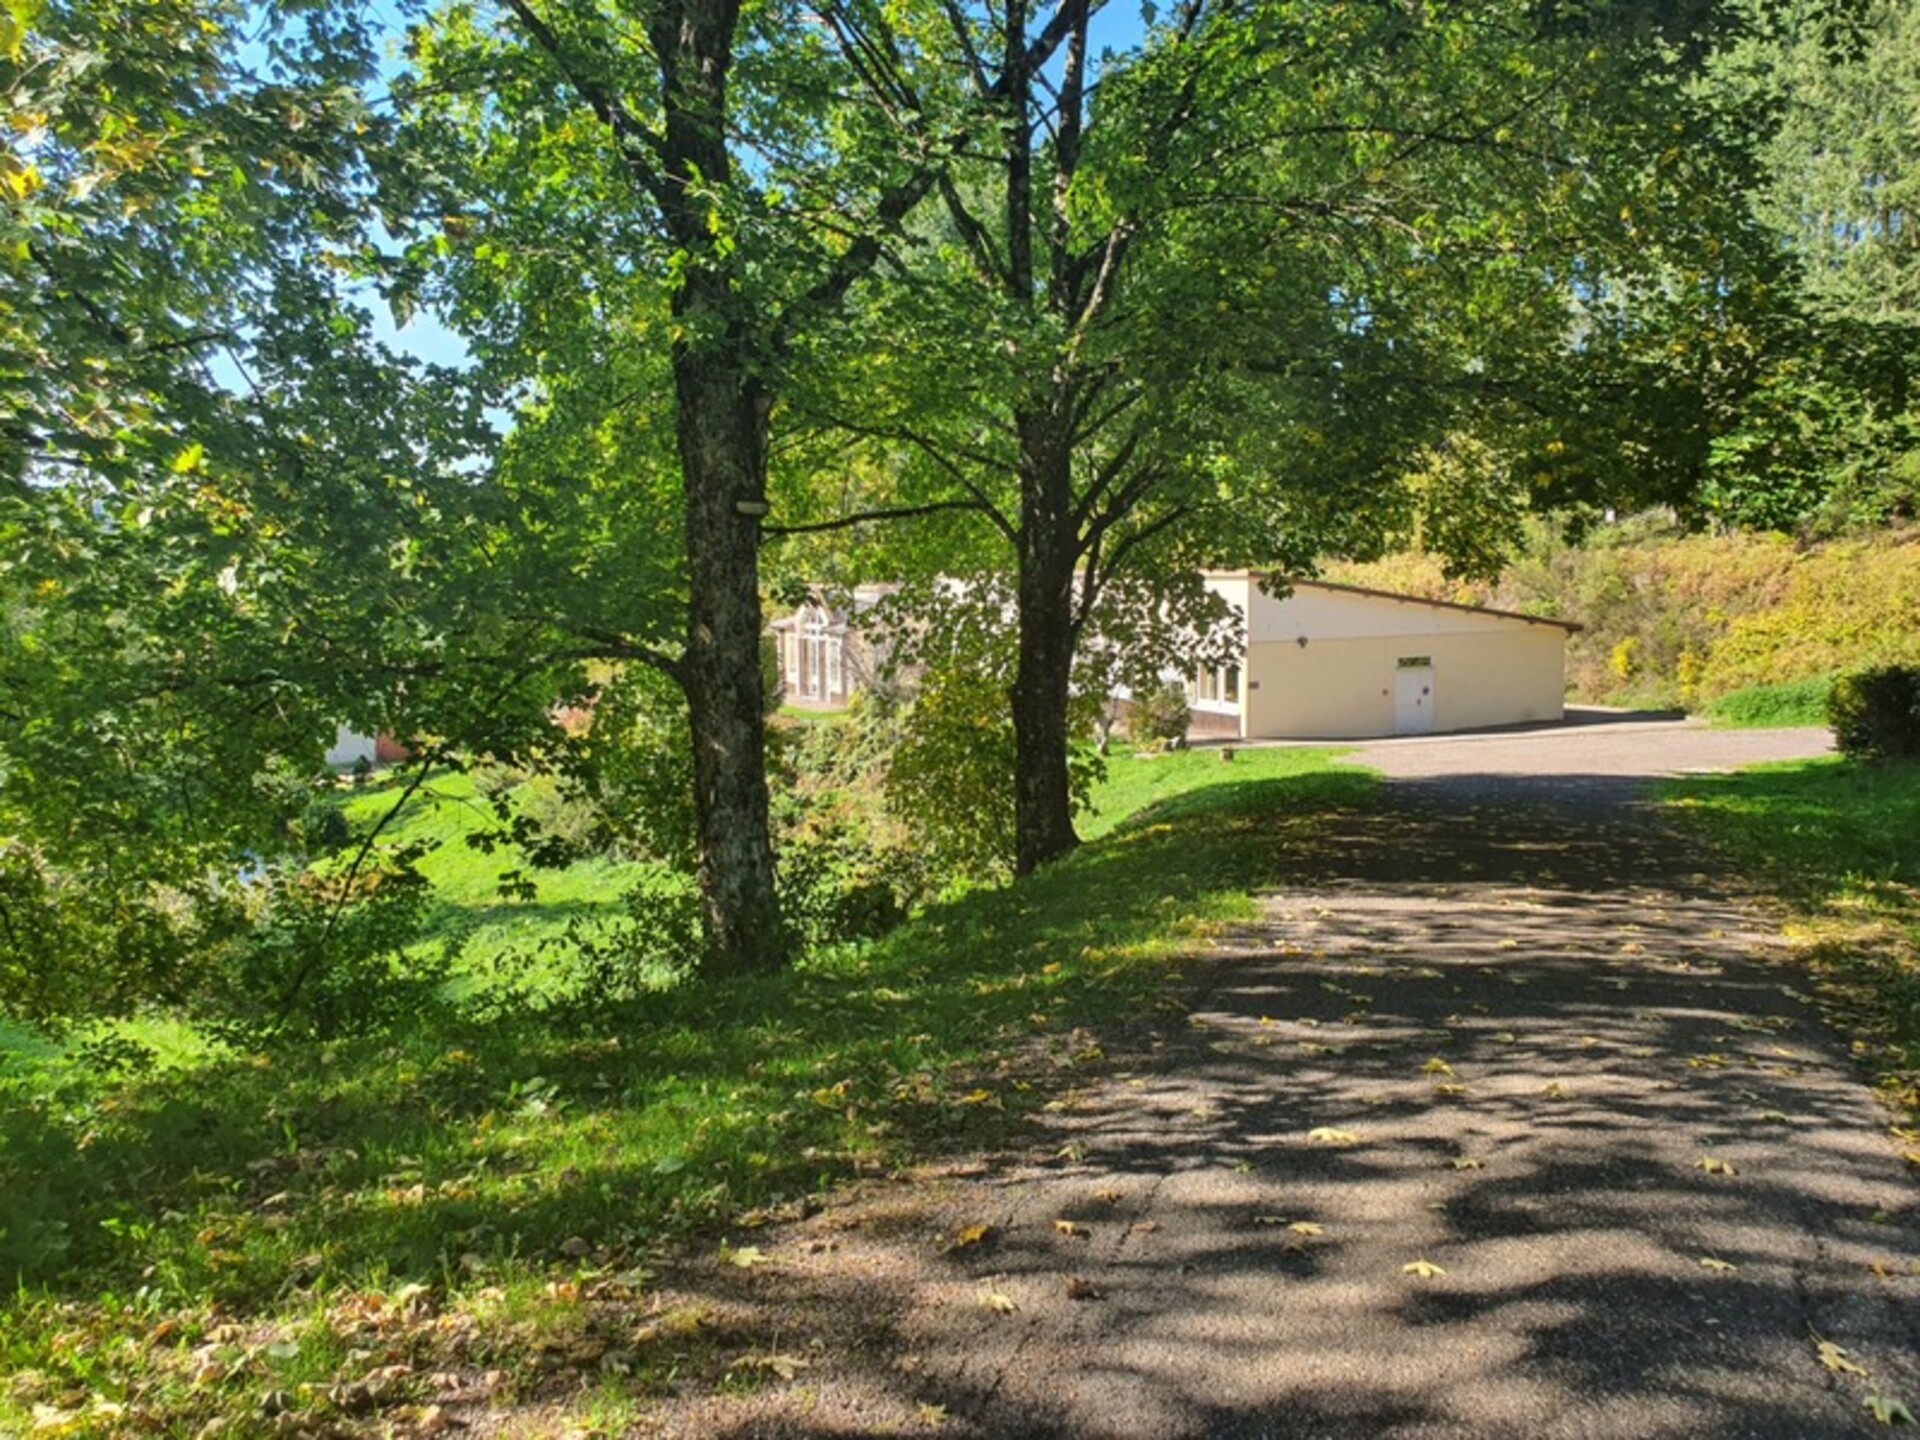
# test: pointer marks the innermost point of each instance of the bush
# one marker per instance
(949, 781)
(324, 827)
(595, 969)
(1803, 702)
(1875, 714)
(326, 955)
(837, 884)
(1161, 714)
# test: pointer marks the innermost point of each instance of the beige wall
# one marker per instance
(1343, 689)
(1487, 669)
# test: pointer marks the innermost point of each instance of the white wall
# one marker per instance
(350, 748)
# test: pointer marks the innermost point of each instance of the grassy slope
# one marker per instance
(467, 907)
(1837, 840)
(244, 1214)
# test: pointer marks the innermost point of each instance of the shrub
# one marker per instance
(1804, 702)
(325, 955)
(1875, 714)
(949, 781)
(324, 827)
(838, 885)
(596, 966)
(1161, 714)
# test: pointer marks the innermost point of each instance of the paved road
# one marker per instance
(1509, 1118)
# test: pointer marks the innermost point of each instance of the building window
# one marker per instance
(1215, 687)
(834, 679)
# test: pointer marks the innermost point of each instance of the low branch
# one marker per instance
(899, 512)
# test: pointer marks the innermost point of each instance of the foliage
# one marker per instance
(1805, 392)
(1800, 702)
(1875, 714)
(67, 953)
(1467, 506)
(844, 885)
(323, 827)
(1161, 714)
(283, 1193)
(950, 774)
(1197, 302)
(595, 965)
(1839, 167)
(326, 955)
(950, 781)
(216, 486)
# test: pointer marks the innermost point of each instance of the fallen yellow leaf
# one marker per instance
(746, 1257)
(1888, 1411)
(1708, 1262)
(1072, 1227)
(998, 1301)
(785, 1366)
(969, 1235)
(1425, 1269)
(1468, 1162)
(1714, 1167)
(1437, 1066)
(1307, 1227)
(1327, 1135)
(1839, 1361)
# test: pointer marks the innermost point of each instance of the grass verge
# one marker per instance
(329, 1239)
(1835, 839)
(1763, 707)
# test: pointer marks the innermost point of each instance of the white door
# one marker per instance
(1413, 699)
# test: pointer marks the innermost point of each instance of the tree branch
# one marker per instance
(639, 146)
(899, 512)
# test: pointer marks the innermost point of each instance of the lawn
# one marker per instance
(468, 911)
(311, 1232)
(1836, 839)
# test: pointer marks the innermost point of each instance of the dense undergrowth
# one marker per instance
(1751, 628)
(294, 1239)
(1836, 840)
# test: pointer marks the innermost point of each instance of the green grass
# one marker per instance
(1803, 702)
(467, 909)
(1135, 780)
(1836, 839)
(288, 1217)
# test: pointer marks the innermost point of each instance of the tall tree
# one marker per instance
(1198, 301)
(681, 179)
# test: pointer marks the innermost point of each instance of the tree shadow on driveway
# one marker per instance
(1509, 1117)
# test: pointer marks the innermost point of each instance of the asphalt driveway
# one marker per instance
(1510, 1117)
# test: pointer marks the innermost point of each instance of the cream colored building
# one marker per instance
(1339, 662)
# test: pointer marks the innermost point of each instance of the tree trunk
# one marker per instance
(1043, 806)
(723, 448)
(721, 424)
